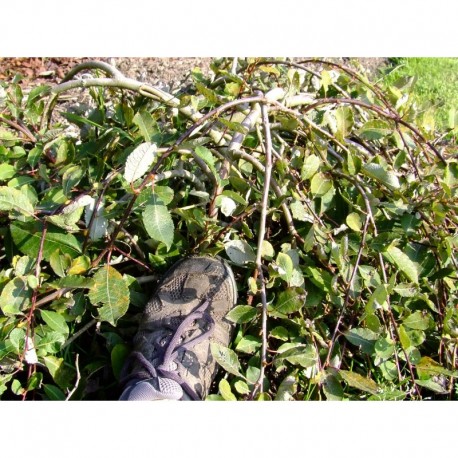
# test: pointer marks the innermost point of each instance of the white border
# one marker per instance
(184, 28)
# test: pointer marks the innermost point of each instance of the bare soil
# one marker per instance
(171, 71)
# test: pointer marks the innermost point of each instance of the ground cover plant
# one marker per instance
(433, 80)
(333, 198)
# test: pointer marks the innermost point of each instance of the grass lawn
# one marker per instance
(436, 82)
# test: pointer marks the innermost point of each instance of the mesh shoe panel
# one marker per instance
(184, 315)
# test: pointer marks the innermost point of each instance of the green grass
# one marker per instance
(436, 81)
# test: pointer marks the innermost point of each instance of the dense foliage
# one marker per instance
(333, 199)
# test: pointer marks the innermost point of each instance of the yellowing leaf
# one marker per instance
(358, 381)
(112, 292)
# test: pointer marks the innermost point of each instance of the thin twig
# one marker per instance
(349, 289)
(20, 128)
(56, 295)
(150, 177)
(78, 378)
(261, 235)
(80, 331)
(136, 261)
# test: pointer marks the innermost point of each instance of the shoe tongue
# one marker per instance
(153, 390)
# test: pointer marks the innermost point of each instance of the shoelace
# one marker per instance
(170, 352)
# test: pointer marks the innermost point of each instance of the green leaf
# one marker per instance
(71, 178)
(235, 126)
(320, 278)
(225, 390)
(7, 171)
(17, 388)
(280, 332)
(226, 204)
(214, 397)
(226, 358)
(287, 388)
(384, 347)
(207, 156)
(332, 388)
(73, 281)
(139, 161)
(404, 337)
(289, 301)
(320, 184)
(285, 267)
(145, 123)
(27, 237)
(406, 290)
(34, 381)
(17, 339)
(163, 193)
(158, 221)
(431, 385)
(241, 387)
(389, 370)
(98, 223)
(427, 366)
(241, 314)
(7, 136)
(302, 355)
(53, 363)
(60, 263)
(311, 165)
(365, 338)
(393, 395)
(15, 296)
(418, 320)
(344, 118)
(248, 344)
(207, 93)
(267, 250)
(358, 381)
(54, 393)
(378, 173)
(55, 321)
(354, 221)
(377, 299)
(239, 252)
(51, 342)
(353, 163)
(119, 354)
(299, 212)
(402, 262)
(79, 265)
(111, 290)
(13, 200)
(375, 130)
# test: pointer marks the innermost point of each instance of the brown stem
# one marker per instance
(20, 128)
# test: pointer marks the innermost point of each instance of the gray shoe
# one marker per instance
(172, 357)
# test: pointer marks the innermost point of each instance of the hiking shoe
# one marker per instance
(172, 357)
